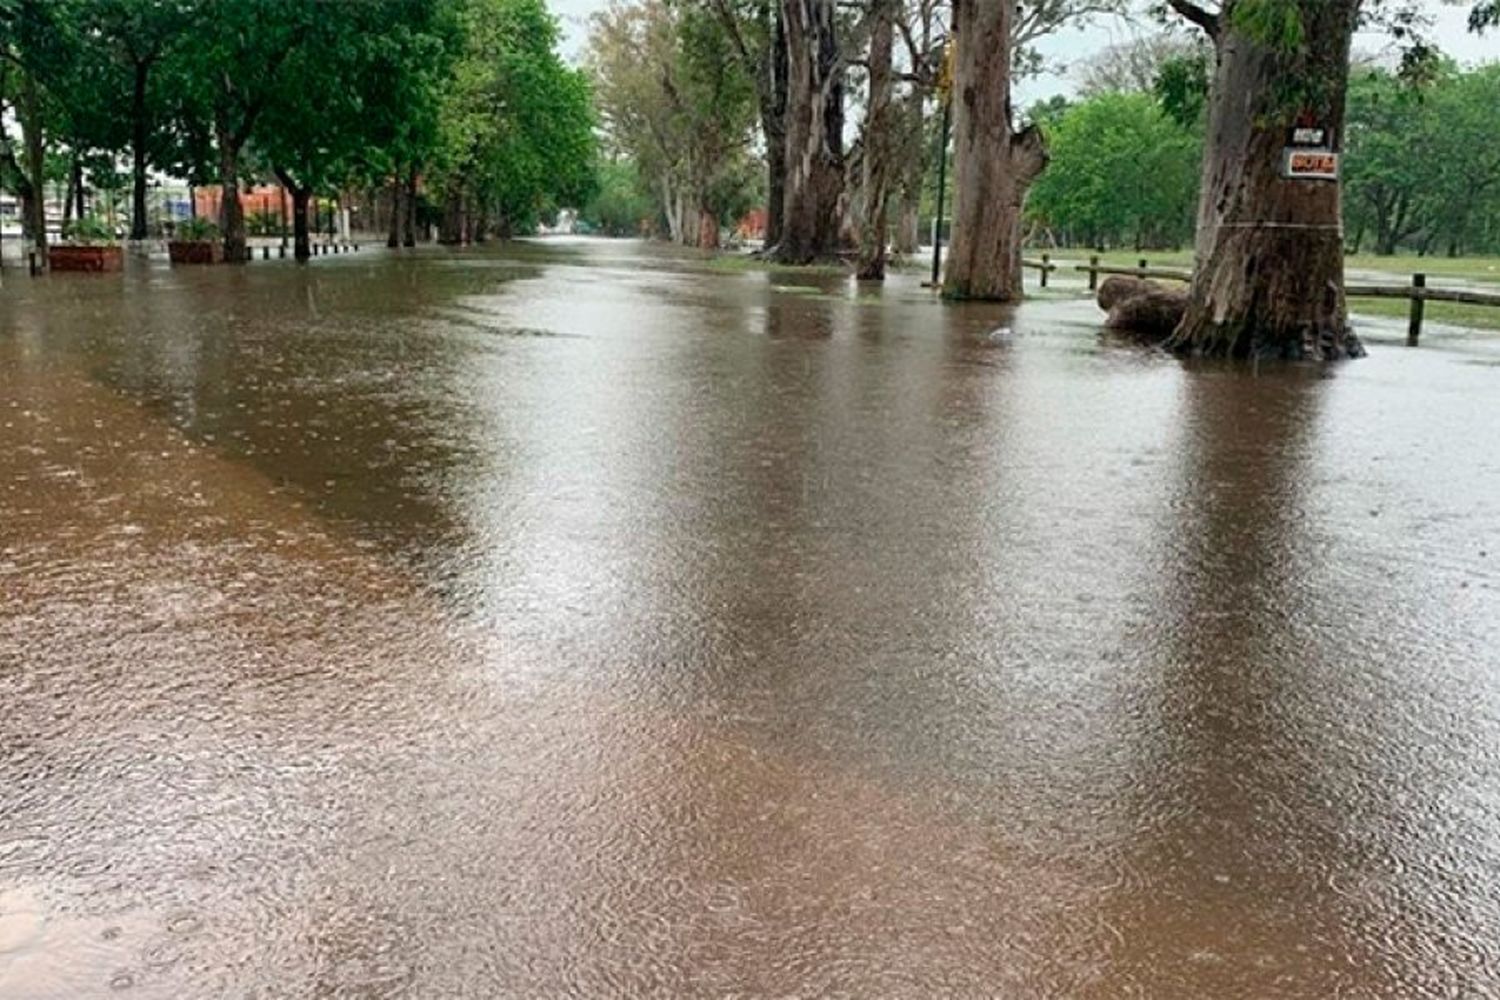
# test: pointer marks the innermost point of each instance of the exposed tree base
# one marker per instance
(1158, 314)
(798, 257)
(1248, 342)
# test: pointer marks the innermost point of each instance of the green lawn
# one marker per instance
(1452, 313)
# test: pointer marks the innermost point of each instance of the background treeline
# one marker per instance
(1422, 170)
(1421, 156)
(680, 87)
(459, 111)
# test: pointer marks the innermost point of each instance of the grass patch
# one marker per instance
(738, 263)
(1451, 313)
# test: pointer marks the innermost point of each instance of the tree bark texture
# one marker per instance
(1269, 272)
(301, 238)
(993, 164)
(409, 238)
(773, 121)
(33, 201)
(231, 212)
(814, 134)
(880, 125)
(138, 139)
(398, 213)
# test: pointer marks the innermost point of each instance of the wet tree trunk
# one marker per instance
(398, 213)
(814, 135)
(453, 231)
(773, 121)
(301, 238)
(80, 209)
(909, 223)
(301, 195)
(231, 212)
(708, 229)
(1269, 272)
(138, 139)
(879, 126)
(68, 194)
(410, 237)
(34, 201)
(993, 165)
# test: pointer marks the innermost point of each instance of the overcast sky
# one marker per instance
(1072, 45)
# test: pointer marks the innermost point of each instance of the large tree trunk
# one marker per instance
(454, 230)
(814, 134)
(80, 208)
(879, 126)
(139, 135)
(231, 212)
(34, 199)
(398, 213)
(773, 121)
(1269, 273)
(410, 238)
(993, 165)
(708, 229)
(908, 239)
(301, 238)
(68, 193)
(301, 241)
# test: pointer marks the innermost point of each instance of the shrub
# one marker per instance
(197, 230)
(89, 229)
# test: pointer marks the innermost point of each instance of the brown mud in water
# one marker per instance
(578, 620)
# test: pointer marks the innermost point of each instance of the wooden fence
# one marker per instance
(1417, 292)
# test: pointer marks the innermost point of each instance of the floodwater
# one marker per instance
(579, 619)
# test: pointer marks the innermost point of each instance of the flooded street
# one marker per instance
(579, 619)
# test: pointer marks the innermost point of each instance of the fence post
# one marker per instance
(1418, 307)
(265, 253)
(1093, 272)
(1046, 266)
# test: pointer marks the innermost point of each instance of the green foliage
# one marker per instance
(263, 224)
(621, 206)
(1122, 172)
(1422, 169)
(91, 229)
(515, 126)
(1181, 87)
(674, 98)
(1277, 24)
(197, 229)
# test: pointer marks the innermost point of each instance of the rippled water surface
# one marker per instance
(579, 619)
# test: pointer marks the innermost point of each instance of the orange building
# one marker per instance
(261, 199)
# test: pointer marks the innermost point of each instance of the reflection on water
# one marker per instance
(577, 618)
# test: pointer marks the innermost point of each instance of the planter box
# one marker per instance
(196, 251)
(86, 257)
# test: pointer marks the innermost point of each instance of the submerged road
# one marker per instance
(579, 619)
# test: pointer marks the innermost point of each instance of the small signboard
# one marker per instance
(1311, 164)
(1308, 137)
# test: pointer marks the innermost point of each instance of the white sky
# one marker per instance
(1072, 45)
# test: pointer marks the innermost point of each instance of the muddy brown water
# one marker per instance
(576, 619)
